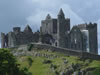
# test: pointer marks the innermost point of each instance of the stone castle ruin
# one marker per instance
(16, 38)
(55, 32)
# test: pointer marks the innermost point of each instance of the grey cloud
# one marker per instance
(87, 9)
(13, 13)
(42, 11)
(18, 12)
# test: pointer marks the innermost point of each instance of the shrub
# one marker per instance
(53, 66)
(47, 61)
(96, 71)
(30, 61)
(30, 46)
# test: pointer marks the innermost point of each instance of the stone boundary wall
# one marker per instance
(65, 51)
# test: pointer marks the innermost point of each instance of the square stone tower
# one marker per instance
(63, 26)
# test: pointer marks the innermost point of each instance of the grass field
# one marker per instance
(37, 66)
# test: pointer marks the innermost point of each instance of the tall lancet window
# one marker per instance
(86, 39)
(75, 38)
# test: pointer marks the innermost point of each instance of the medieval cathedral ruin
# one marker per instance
(55, 32)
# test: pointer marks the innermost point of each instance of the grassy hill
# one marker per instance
(45, 62)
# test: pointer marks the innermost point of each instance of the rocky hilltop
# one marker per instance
(41, 61)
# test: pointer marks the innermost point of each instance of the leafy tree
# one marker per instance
(8, 65)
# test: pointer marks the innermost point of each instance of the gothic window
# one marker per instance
(56, 44)
(75, 30)
(75, 41)
(72, 46)
(79, 45)
(75, 38)
(46, 24)
(75, 46)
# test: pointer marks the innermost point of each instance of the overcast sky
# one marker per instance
(21, 12)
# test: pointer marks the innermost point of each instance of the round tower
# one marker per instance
(16, 30)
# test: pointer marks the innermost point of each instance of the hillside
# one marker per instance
(47, 62)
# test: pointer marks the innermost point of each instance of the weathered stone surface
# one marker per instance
(55, 32)
(67, 52)
(67, 72)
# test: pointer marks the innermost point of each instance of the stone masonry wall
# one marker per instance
(65, 51)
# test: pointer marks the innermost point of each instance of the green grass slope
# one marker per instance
(42, 65)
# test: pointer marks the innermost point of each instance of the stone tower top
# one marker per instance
(48, 17)
(16, 30)
(27, 29)
(61, 13)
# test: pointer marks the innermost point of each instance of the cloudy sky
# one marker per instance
(21, 12)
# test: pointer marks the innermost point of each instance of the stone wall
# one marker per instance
(93, 38)
(67, 52)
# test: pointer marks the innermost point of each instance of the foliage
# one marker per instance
(24, 71)
(96, 71)
(30, 47)
(30, 61)
(8, 65)
(40, 66)
(47, 61)
(53, 66)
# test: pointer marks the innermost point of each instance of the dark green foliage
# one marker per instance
(47, 61)
(56, 72)
(24, 71)
(53, 66)
(76, 66)
(30, 61)
(8, 65)
(30, 46)
(97, 71)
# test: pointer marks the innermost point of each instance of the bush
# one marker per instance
(24, 71)
(30, 46)
(96, 71)
(53, 66)
(47, 61)
(30, 61)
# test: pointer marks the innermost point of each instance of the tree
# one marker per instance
(8, 65)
